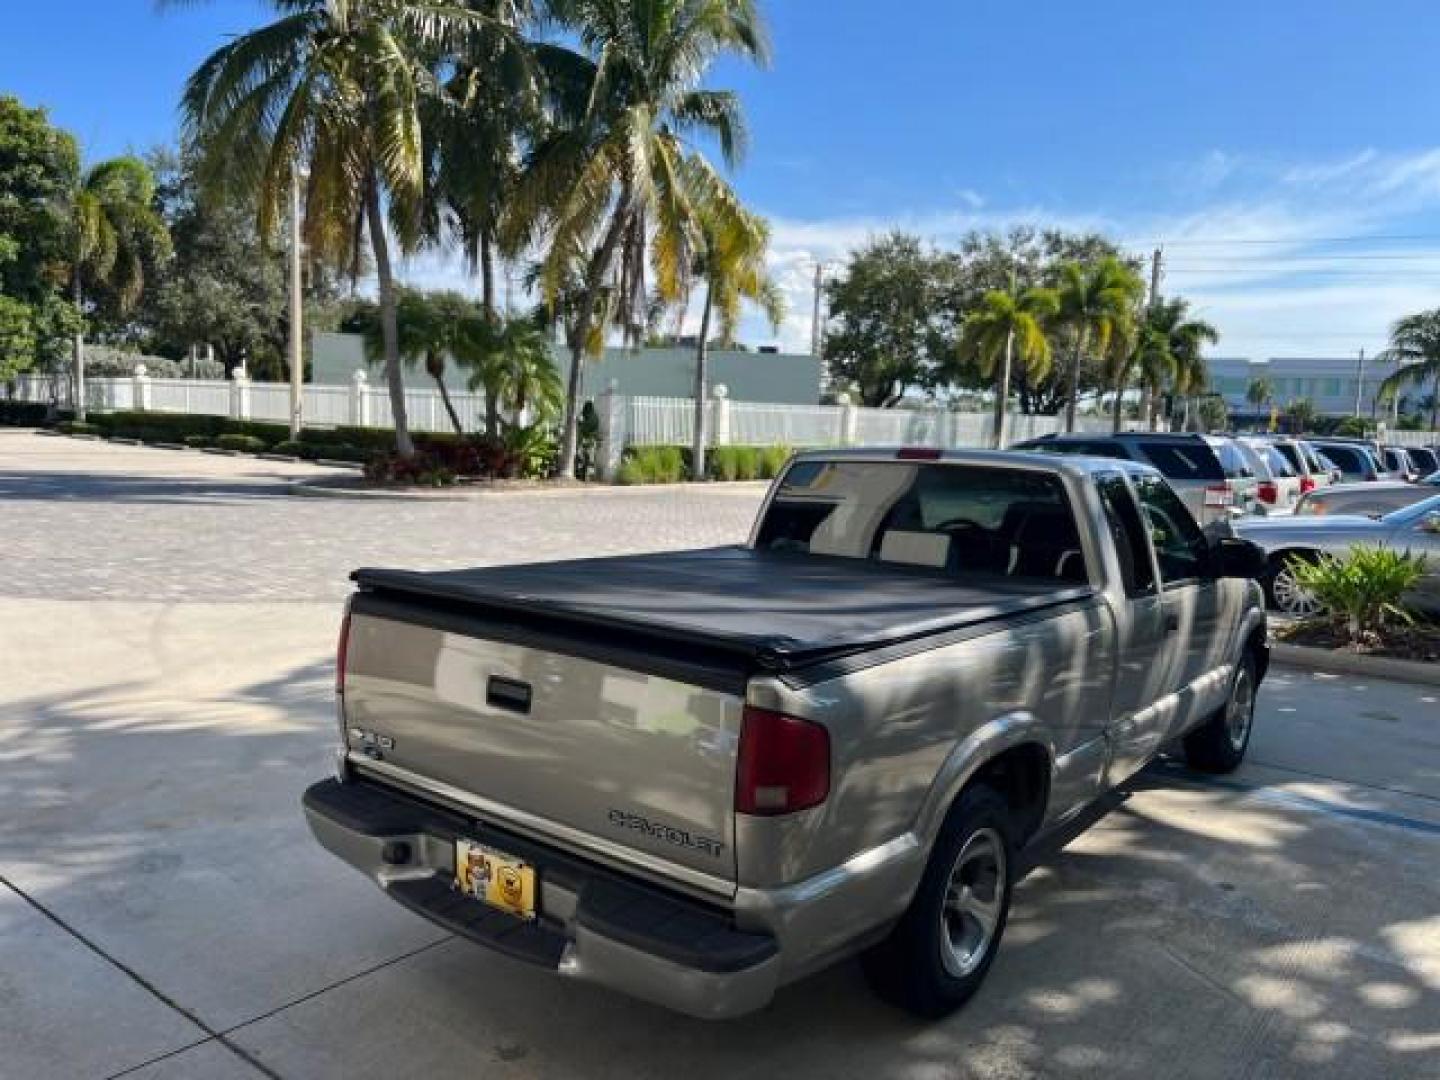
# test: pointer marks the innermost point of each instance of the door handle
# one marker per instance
(1171, 623)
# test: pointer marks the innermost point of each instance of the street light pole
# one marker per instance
(1359, 382)
(297, 314)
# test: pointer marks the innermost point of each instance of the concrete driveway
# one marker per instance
(166, 627)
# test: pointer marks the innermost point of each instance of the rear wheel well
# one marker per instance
(1022, 777)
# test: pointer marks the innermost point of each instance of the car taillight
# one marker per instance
(342, 649)
(1267, 491)
(1307, 485)
(784, 764)
(1217, 496)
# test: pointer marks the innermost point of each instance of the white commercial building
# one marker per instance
(1333, 384)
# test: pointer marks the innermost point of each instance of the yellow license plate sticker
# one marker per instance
(498, 879)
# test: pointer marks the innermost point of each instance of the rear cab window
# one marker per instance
(963, 520)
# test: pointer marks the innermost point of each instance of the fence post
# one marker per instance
(240, 396)
(360, 399)
(611, 443)
(849, 420)
(720, 416)
(141, 393)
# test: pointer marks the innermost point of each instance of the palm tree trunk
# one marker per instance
(389, 330)
(594, 281)
(487, 273)
(1435, 403)
(1073, 391)
(435, 367)
(702, 411)
(1002, 389)
(79, 401)
(1119, 407)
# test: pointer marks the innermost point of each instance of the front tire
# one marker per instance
(941, 950)
(1219, 744)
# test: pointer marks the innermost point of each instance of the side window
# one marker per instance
(1128, 534)
(1180, 546)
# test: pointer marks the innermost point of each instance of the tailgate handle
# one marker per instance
(511, 694)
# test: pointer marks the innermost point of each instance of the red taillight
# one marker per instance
(1268, 492)
(1307, 485)
(784, 764)
(342, 648)
(918, 453)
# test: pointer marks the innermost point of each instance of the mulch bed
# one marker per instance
(1399, 643)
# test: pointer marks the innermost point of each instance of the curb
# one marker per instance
(1334, 662)
(321, 491)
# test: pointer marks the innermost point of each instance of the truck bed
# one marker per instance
(723, 611)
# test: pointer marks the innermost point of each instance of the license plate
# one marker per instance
(500, 880)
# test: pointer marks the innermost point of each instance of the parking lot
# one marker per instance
(166, 627)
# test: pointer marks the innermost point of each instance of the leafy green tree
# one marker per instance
(1415, 349)
(889, 330)
(1301, 415)
(39, 167)
(1008, 323)
(1097, 307)
(17, 338)
(114, 240)
(607, 181)
(730, 261)
(430, 330)
(338, 87)
(516, 369)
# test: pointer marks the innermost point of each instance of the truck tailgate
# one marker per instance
(603, 757)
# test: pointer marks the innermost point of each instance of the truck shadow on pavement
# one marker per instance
(1180, 929)
(155, 490)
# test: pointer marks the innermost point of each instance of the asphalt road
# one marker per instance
(166, 627)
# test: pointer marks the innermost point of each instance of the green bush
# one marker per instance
(338, 452)
(630, 473)
(657, 464)
(1364, 591)
(77, 427)
(772, 461)
(197, 442)
(293, 447)
(248, 444)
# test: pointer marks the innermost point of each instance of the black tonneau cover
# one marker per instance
(773, 611)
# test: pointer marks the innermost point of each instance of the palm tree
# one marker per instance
(1148, 356)
(730, 259)
(1097, 305)
(1259, 393)
(1007, 322)
(519, 370)
(609, 182)
(340, 85)
(114, 231)
(1415, 348)
(1169, 352)
(428, 328)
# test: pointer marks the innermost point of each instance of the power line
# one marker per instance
(1373, 238)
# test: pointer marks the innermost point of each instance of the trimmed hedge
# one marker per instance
(28, 413)
(671, 464)
(77, 427)
(197, 442)
(248, 444)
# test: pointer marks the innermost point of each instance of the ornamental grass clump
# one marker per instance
(1363, 593)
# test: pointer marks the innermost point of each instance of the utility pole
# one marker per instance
(1156, 257)
(1359, 382)
(815, 339)
(297, 313)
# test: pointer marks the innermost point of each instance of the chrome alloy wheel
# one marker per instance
(974, 898)
(1240, 712)
(1291, 597)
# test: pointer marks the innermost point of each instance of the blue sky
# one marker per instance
(1285, 154)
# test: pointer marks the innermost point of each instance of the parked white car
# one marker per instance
(1278, 487)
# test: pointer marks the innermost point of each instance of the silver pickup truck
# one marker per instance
(695, 777)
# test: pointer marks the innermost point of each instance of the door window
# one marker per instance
(1180, 546)
(1127, 532)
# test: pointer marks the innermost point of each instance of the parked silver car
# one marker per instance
(1357, 459)
(1371, 500)
(1415, 529)
(1314, 471)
